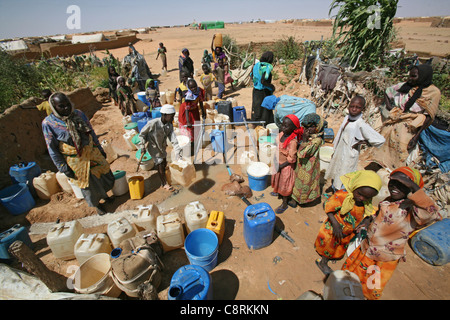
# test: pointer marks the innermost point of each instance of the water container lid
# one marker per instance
(136, 139)
(131, 125)
(119, 174)
(147, 156)
(141, 93)
(258, 169)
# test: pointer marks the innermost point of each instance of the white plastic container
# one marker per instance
(128, 136)
(62, 238)
(170, 96)
(120, 183)
(126, 120)
(89, 245)
(162, 98)
(195, 216)
(325, 154)
(170, 231)
(147, 217)
(343, 285)
(111, 154)
(76, 190)
(182, 172)
(63, 182)
(267, 153)
(246, 159)
(95, 277)
(46, 185)
(119, 230)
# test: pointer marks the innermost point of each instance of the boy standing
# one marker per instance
(353, 133)
(155, 133)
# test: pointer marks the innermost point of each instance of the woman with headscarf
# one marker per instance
(413, 106)
(112, 76)
(262, 87)
(75, 150)
(346, 209)
(286, 158)
(407, 209)
(127, 103)
(307, 174)
(185, 64)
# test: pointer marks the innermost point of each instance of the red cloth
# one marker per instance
(298, 133)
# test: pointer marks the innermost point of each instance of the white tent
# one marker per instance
(89, 38)
(15, 45)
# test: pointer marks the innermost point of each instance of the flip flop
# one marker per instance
(292, 203)
(280, 209)
(274, 194)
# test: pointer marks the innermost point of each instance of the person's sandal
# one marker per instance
(280, 209)
(274, 194)
(101, 210)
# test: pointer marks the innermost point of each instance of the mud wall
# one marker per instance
(21, 137)
(65, 50)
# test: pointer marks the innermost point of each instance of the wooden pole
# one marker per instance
(54, 281)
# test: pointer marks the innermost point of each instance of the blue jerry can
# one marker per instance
(432, 244)
(190, 282)
(16, 232)
(259, 223)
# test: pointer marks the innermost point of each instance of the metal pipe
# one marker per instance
(226, 123)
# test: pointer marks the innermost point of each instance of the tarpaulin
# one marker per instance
(293, 105)
(434, 144)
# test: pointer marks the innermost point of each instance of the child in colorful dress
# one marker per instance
(287, 141)
(162, 51)
(152, 93)
(407, 209)
(189, 109)
(346, 209)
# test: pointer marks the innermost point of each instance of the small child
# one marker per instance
(346, 209)
(406, 210)
(45, 106)
(207, 80)
(219, 73)
(287, 141)
(353, 133)
(162, 51)
(207, 58)
(127, 102)
(182, 88)
(152, 94)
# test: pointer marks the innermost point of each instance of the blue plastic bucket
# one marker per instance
(17, 198)
(141, 96)
(190, 282)
(258, 176)
(24, 171)
(135, 117)
(202, 247)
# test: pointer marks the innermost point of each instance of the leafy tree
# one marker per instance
(364, 29)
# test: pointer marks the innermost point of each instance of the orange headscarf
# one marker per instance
(412, 173)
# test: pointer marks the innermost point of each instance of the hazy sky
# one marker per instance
(21, 18)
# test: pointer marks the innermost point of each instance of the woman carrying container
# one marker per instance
(407, 209)
(76, 151)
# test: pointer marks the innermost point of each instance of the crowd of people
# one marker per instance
(76, 152)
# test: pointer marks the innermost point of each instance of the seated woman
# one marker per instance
(76, 151)
(413, 106)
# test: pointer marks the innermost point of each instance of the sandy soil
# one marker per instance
(241, 273)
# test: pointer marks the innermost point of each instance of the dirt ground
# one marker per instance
(280, 271)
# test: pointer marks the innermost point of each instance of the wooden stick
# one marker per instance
(54, 281)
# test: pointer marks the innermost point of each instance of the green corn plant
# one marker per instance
(364, 29)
